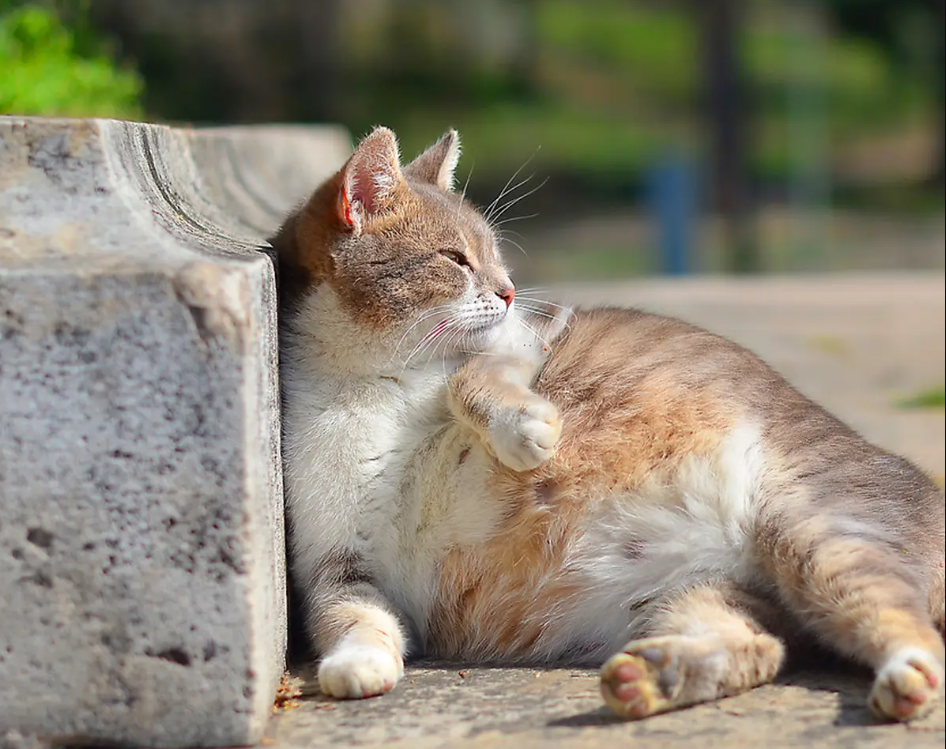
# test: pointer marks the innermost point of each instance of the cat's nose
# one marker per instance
(507, 294)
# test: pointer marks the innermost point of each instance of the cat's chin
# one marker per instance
(480, 339)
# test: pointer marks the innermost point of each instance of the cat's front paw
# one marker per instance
(906, 688)
(524, 438)
(359, 671)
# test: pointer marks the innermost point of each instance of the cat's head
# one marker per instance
(402, 256)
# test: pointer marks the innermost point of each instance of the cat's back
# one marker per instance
(608, 350)
(641, 391)
(642, 395)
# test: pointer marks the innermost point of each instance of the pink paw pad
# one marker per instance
(629, 685)
(906, 688)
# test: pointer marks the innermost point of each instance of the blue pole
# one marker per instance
(672, 193)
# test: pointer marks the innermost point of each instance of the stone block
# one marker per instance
(142, 576)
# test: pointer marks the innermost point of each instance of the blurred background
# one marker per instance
(674, 137)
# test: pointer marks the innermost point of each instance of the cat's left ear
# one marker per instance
(370, 180)
(437, 164)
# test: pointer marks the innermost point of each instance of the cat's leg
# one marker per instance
(864, 597)
(354, 629)
(704, 644)
(491, 395)
(938, 599)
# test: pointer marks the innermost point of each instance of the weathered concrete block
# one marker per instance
(142, 585)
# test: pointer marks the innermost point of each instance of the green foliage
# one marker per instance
(650, 49)
(47, 71)
(614, 84)
(932, 398)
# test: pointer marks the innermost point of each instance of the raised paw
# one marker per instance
(524, 438)
(907, 686)
(356, 671)
(643, 680)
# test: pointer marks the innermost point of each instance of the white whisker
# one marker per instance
(510, 191)
(463, 192)
(450, 343)
(541, 313)
(504, 232)
(531, 289)
(511, 203)
(524, 297)
(534, 332)
(430, 339)
(515, 244)
(487, 213)
(514, 218)
(427, 314)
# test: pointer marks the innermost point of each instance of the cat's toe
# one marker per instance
(640, 683)
(906, 688)
(527, 437)
(360, 671)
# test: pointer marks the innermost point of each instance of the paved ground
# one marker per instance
(856, 344)
(525, 709)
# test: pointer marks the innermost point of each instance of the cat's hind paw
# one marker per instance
(359, 671)
(906, 687)
(524, 438)
(641, 682)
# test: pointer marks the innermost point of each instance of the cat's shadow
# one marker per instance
(601, 716)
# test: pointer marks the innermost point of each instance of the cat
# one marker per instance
(475, 475)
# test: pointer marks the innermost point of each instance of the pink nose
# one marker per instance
(507, 294)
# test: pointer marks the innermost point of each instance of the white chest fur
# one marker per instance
(372, 468)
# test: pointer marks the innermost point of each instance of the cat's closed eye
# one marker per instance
(457, 257)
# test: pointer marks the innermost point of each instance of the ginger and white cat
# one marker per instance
(480, 478)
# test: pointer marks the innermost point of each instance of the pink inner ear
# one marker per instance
(370, 183)
(346, 208)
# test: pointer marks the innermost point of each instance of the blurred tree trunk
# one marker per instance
(320, 74)
(939, 94)
(526, 63)
(727, 114)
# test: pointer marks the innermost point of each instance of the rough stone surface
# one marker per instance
(142, 583)
(857, 344)
(494, 708)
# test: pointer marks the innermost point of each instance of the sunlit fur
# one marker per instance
(487, 479)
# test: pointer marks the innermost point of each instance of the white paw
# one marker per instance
(524, 438)
(355, 671)
(907, 686)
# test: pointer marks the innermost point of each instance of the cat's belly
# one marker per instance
(560, 570)
(483, 563)
(444, 502)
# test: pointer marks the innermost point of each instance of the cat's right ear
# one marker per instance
(370, 180)
(437, 164)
